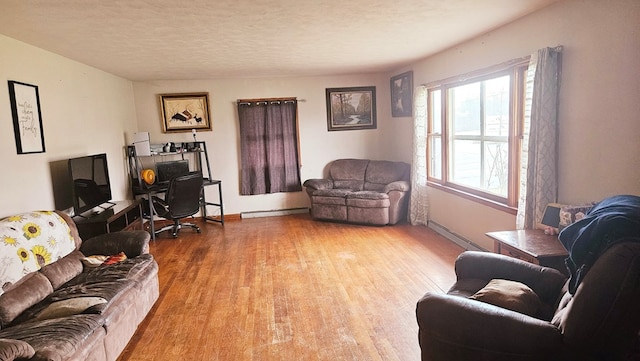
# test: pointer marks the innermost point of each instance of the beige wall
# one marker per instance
(84, 111)
(317, 145)
(599, 102)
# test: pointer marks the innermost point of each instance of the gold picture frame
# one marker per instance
(182, 112)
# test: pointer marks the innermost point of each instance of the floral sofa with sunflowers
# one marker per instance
(62, 298)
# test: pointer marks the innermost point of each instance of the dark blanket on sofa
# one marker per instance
(613, 219)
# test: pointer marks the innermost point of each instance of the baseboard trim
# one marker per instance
(459, 240)
(273, 212)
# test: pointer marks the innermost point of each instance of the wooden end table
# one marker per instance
(531, 245)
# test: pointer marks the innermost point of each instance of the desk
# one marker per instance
(531, 245)
(152, 190)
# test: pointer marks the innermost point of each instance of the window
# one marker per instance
(474, 132)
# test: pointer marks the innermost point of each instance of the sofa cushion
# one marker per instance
(30, 241)
(58, 338)
(30, 290)
(331, 196)
(348, 173)
(368, 199)
(15, 349)
(382, 172)
(64, 269)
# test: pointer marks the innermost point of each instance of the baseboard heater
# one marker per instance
(274, 212)
(460, 241)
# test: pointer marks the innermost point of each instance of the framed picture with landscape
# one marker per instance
(351, 108)
(185, 111)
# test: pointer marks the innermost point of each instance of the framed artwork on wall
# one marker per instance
(351, 108)
(402, 95)
(27, 119)
(182, 112)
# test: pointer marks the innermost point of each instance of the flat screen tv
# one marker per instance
(90, 182)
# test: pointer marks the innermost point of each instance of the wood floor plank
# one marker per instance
(291, 288)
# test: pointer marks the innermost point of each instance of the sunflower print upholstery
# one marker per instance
(30, 241)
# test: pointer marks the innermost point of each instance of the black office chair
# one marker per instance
(181, 200)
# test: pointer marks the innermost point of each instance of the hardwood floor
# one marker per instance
(290, 288)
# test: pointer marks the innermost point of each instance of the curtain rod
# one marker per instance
(267, 101)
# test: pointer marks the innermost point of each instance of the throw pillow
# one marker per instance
(512, 295)
(68, 307)
(115, 258)
(99, 260)
(93, 261)
(15, 349)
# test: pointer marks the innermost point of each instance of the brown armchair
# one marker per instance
(600, 321)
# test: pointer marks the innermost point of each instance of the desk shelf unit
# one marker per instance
(198, 157)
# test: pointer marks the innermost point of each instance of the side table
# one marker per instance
(531, 245)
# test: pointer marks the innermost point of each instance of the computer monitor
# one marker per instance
(168, 170)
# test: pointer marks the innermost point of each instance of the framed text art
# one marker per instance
(27, 119)
(185, 111)
(351, 108)
(402, 95)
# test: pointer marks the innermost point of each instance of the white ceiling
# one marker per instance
(203, 39)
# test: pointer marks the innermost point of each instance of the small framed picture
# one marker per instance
(351, 108)
(402, 95)
(183, 112)
(27, 119)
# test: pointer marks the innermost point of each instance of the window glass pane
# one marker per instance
(496, 106)
(436, 111)
(465, 163)
(465, 109)
(435, 158)
(496, 168)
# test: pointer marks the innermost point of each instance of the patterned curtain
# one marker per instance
(539, 157)
(418, 203)
(268, 147)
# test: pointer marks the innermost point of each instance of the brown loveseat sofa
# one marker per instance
(361, 191)
(56, 303)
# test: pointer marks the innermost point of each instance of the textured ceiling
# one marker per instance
(201, 39)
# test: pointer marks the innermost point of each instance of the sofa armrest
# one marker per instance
(401, 186)
(11, 349)
(457, 328)
(318, 183)
(132, 243)
(546, 282)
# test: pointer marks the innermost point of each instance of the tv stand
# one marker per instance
(119, 216)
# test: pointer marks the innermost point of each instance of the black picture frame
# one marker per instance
(402, 95)
(351, 108)
(27, 117)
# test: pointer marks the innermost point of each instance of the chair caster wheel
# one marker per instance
(198, 230)
(175, 235)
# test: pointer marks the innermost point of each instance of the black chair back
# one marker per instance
(183, 195)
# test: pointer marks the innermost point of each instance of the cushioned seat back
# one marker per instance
(603, 316)
(382, 172)
(348, 173)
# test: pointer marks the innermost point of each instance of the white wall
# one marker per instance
(84, 111)
(599, 102)
(317, 145)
